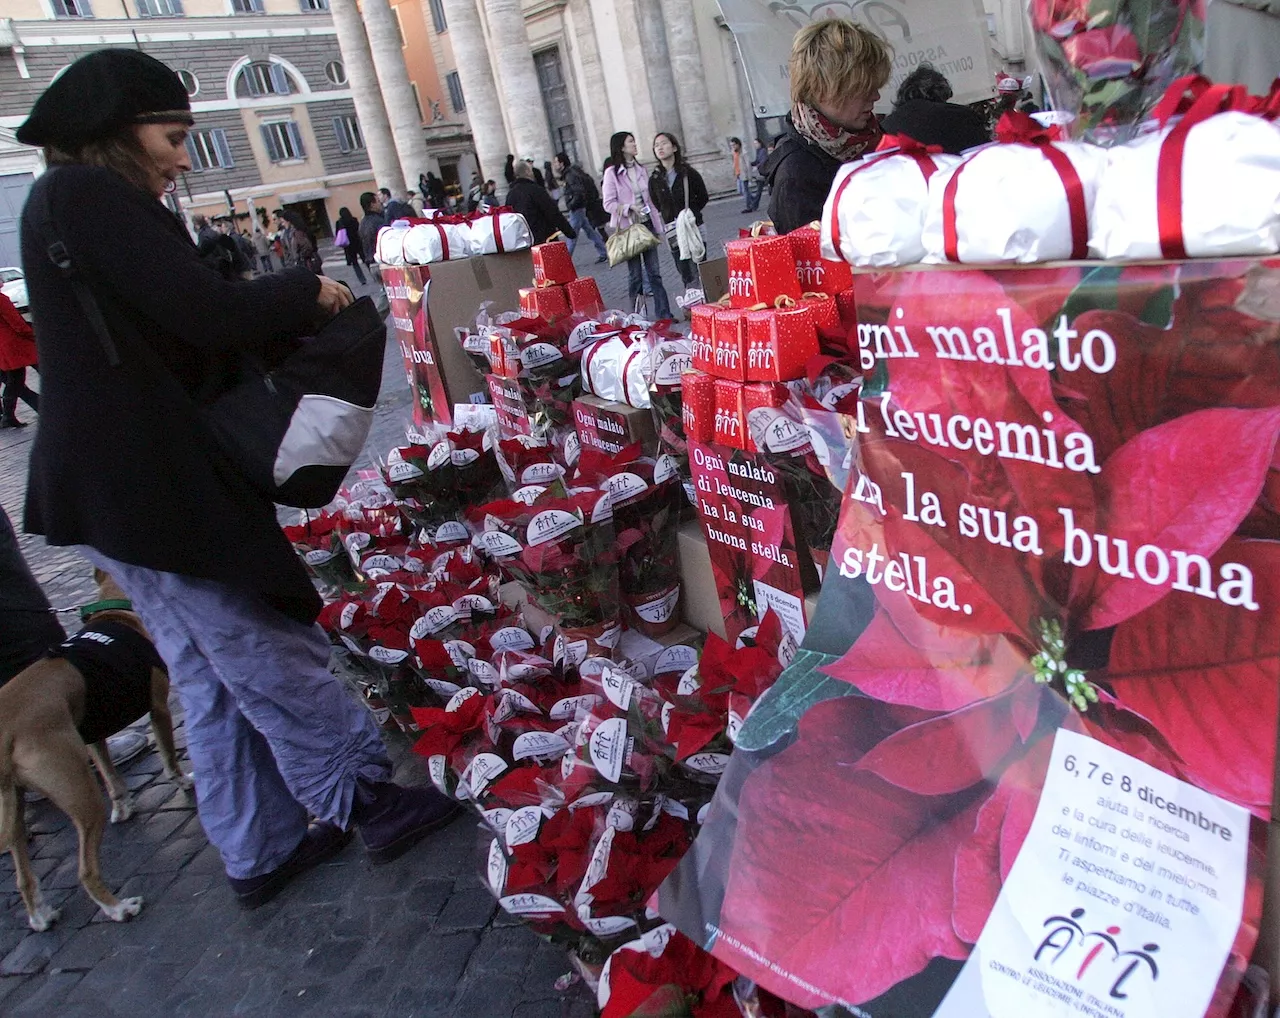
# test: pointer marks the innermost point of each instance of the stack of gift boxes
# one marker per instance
(557, 291)
(781, 293)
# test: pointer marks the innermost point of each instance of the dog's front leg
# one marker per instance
(121, 797)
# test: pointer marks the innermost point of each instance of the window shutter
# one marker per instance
(339, 132)
(192, 153)
(219, 137)
(295, 135)
(279, 80)
(269, 140)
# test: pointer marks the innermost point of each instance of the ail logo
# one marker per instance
(740, 284)
(1101, 952)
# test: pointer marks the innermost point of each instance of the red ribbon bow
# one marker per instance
(1017, 128)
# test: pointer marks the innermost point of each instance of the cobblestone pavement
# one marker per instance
(419, 937)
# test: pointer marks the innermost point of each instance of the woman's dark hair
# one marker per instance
(121, 152)
(925, 82)
(344, 213)
(616, 159)
(674, 144)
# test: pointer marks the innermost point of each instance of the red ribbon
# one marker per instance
(497, 233)
(1210, 100)
(1017, 128)
(906, 146)
(444, 241)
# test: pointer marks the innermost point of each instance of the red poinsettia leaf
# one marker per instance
(1172, 487)
(984, 859)
(885, 666)
(896, 846)
(972, 740)
(1207, 676)
(690, 731)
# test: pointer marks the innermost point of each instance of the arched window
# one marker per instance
(263, 78)
(189, 81)
(335, 72)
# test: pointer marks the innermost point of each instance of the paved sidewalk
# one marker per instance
(419, 937)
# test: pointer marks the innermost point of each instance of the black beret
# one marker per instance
(101, 93)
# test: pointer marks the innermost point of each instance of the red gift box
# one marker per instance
(779, 343)
(772, 395)
(701, 331)
(552, 264)
(761, 269)
(504, 357)
(729, 344)
(847, 305)
(826, 313)
(815, 273)
(584, 296)
(546, 302)
(698, 404)
(730, 422)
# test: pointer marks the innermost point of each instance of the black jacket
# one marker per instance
(122, 462)
(670, 200)
(579, 189)
(800, 176)
(539, 210)
(954, 127)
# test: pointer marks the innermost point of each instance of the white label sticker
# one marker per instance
(469, 603)
(511, 638)
(689, 682)
(572, 449)
(622, 814)
(539, 746)
(441, 688)
(464, 457)
(461, 697)
(707, 763)
(529, 494)
(597, 867)
(734, 726)
(437, 618)
(551, 525)
(666, 468)
(618, 687)
(581, 335)
(675, 659)
(351, 644)
(531, 904)
(572, 707)
(460, 652)
(523, 826)
(387, 656)
(672, 366)
(450, 531)
(436, 767)
(439, 456)
(403, 471)
(1120, 857)
(660, 610)
(497, 818)
(591, 799)
(535, 355)
(602, 511)
(482, 769)
(839, 392)
(519, 703)
(676, 808)
(496, 870)
(625, 486)
(347, 615)
(497, 544)
(608, 926)
(483, 671)
(380, 565)
(541, 473)
(780, 433)
(655, 941)
(667, 708)
(318, 557)
(357, 542)
(608, 747)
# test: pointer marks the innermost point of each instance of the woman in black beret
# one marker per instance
(121, 467)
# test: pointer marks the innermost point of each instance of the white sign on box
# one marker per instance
(1123, 901)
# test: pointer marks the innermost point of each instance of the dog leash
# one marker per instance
(94, 607)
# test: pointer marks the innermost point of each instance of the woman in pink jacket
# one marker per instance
(626, 199)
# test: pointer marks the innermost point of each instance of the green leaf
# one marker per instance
(1096, 291)
(778, 711)
(1158, 311)
(1140, 22)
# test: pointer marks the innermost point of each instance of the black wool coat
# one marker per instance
(539, 210)
(800, 176)
(671, 199)
(122, 462)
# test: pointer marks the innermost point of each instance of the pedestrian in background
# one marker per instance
(921, 111)
(540, 211)
(394, 208)
(628, 202)
(122, 467)
(837, 70)
(579, 192)
(262, 244)
(17, 353)
(676, 186)
(741, 172)
(347, 228)
(373, 221)
(755, 176)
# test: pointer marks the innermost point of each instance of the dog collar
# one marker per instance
(104, 606)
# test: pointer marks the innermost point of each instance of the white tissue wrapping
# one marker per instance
(390, 246)
(880, 212)
(1230, 192)
(428, 243)
(512, 227)
(1011, 204)
(617, 370)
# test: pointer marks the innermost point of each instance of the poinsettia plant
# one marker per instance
(1058, 615)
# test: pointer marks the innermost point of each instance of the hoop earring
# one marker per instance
(171, 187)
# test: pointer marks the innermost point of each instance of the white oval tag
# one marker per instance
(551, 525)
(318, 557)
(498, 544)
(608, 747)
(461, 697)
(661, 609)
(707, 763)
(523, 826)
(387, 656)
(531, 904)
(539, 746)
(572, 706)
(675, 659)
(450, 531)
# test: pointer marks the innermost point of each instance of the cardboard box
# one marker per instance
(456, 292)
(714, 273)
(610, 427)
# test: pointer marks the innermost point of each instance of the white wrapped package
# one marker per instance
(1230, 193)
(499, 232)
(1010, 202)
(618, 369)
(390, 246)
(428, 243)
(874, 215)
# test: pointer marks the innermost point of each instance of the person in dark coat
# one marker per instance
(17, 353)
(539, 209)
(580, 194)
(374, 220)
(837, 70)
(123, 466)
(353, 249)
(674, 186)
(921, 111)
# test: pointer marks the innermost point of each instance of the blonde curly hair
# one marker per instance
(834, 59)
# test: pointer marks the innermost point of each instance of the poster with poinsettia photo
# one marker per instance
(1023, 762)
(407, 290)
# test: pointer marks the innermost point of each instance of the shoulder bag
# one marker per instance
(631, 242)
(292, 431)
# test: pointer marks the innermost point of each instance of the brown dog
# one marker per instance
(42, 713)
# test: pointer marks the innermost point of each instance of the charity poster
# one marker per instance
(1022, 764)
(755, 562)
(407, 290)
